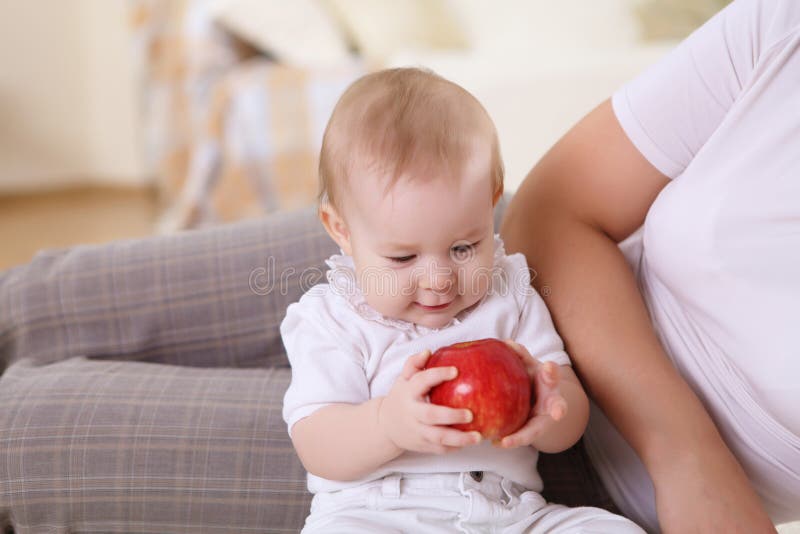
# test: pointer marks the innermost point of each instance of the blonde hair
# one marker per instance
(403, 120)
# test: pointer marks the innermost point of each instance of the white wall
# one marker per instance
(538, 66)
(67, 95)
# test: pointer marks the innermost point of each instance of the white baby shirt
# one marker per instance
(342, 351)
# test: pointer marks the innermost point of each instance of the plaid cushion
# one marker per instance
(99, 446)
(207, 298)
(570, 479)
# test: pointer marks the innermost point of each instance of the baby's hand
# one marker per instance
(550, 405)
(413, 423)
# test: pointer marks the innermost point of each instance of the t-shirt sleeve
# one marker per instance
(672, 108)
(327, 367)
(535, 329)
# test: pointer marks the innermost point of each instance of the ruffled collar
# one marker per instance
(341, 276)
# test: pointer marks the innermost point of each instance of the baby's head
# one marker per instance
(410, 171)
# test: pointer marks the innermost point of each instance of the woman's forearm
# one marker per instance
(590, 191)
(343, 441)
(596, 305)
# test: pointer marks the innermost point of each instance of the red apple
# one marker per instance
(492, 382)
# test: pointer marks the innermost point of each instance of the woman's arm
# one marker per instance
(590, 191)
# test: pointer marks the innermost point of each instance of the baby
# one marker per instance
(410, 171)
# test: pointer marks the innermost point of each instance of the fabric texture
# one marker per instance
(98, 446)
(207, 298)
(718, 257)
(469, 502)
(343, 351)
(142, 384)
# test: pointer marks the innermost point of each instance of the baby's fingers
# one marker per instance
(518, 348)
(432, 414)
(415, 363)
(548, 387)
(528, 433)
(548, 375)
(551, 404)
(450, 438)
(531, 364)
(556, 407)
(423, 381)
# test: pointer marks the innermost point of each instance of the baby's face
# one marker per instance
(423, 251)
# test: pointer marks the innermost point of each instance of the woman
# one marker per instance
(692, 354)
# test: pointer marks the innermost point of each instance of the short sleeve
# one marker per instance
(671, 109)
(327, 368)
(535, 329)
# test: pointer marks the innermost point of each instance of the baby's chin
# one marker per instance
(441, 320)
(421, 318)
(434, 322)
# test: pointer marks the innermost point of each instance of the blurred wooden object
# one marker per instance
(30, 222)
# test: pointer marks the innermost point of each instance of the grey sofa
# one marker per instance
(142, 384)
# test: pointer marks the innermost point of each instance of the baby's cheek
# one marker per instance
(474, 280)
(482, 284)
(389, 293)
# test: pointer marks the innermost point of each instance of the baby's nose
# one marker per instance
(438, 278)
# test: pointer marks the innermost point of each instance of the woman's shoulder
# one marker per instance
(761, 24)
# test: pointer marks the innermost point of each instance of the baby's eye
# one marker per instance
(403, 259)
(463, 252)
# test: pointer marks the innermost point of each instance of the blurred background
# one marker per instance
(126, 118)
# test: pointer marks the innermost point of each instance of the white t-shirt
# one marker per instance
(343, 351)
(718, 261)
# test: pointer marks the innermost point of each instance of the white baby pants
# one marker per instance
(476, 502)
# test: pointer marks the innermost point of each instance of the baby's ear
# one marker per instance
(336, 227)
(497, 194)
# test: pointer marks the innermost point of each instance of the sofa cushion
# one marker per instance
(208, 298)
(103, 446)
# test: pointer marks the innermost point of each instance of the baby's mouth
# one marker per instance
(438, 307)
